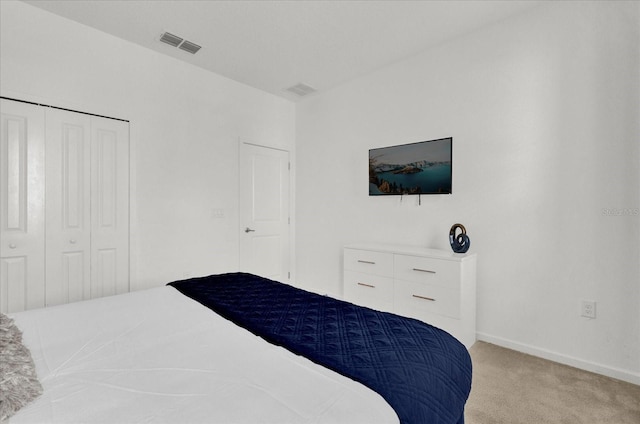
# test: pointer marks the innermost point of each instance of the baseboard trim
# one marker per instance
(617, 373)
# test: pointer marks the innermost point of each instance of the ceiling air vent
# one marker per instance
(179, 42)
(188, 46)
(301, 89)
(172, 40)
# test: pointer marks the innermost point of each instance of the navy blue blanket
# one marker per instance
(421, 371)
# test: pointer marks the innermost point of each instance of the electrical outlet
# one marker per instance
(588, 309)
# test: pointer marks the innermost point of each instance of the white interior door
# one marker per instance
(87, 205)
(64, 206)
(22, 218)
(264, 211)
(109, 207)
(68, 217)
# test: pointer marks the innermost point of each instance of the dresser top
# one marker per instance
(411, 250)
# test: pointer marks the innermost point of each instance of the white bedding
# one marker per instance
(156, 356)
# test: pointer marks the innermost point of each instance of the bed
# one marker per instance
(238, 348)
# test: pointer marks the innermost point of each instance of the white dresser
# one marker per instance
(435, 286)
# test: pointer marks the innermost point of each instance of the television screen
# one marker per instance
(416, 168)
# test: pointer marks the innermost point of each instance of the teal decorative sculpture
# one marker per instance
(459, 243)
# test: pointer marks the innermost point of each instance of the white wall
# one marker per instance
(543, 109)
(184, 130)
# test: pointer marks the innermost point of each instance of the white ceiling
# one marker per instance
(272, 45)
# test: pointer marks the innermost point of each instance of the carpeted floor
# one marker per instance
(511, 388)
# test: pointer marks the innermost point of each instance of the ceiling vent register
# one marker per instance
(179, 42)
(301, 89)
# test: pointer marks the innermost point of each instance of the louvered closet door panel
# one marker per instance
(22, 176)
(109, 207)
(68, 219)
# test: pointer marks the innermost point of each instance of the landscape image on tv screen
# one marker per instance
(416, 168)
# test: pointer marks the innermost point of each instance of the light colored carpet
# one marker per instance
(510, 387)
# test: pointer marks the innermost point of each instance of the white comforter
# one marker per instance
(156, 356)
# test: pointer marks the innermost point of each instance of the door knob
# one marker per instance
(249, 230)
(72, 241)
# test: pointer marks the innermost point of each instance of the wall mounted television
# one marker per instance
(424, 167)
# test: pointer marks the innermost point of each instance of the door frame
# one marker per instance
(290, 206)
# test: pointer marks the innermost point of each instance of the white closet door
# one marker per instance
(109, 207)
(22, 238)
(64, 203)
(68, 218)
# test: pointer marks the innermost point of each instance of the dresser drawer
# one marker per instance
(414, 299)
(372, 291)
(369, 262)
(427, 270)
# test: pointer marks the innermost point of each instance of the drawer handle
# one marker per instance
(424, 297)
(366, 285)
(366, 262)
(424, 270)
